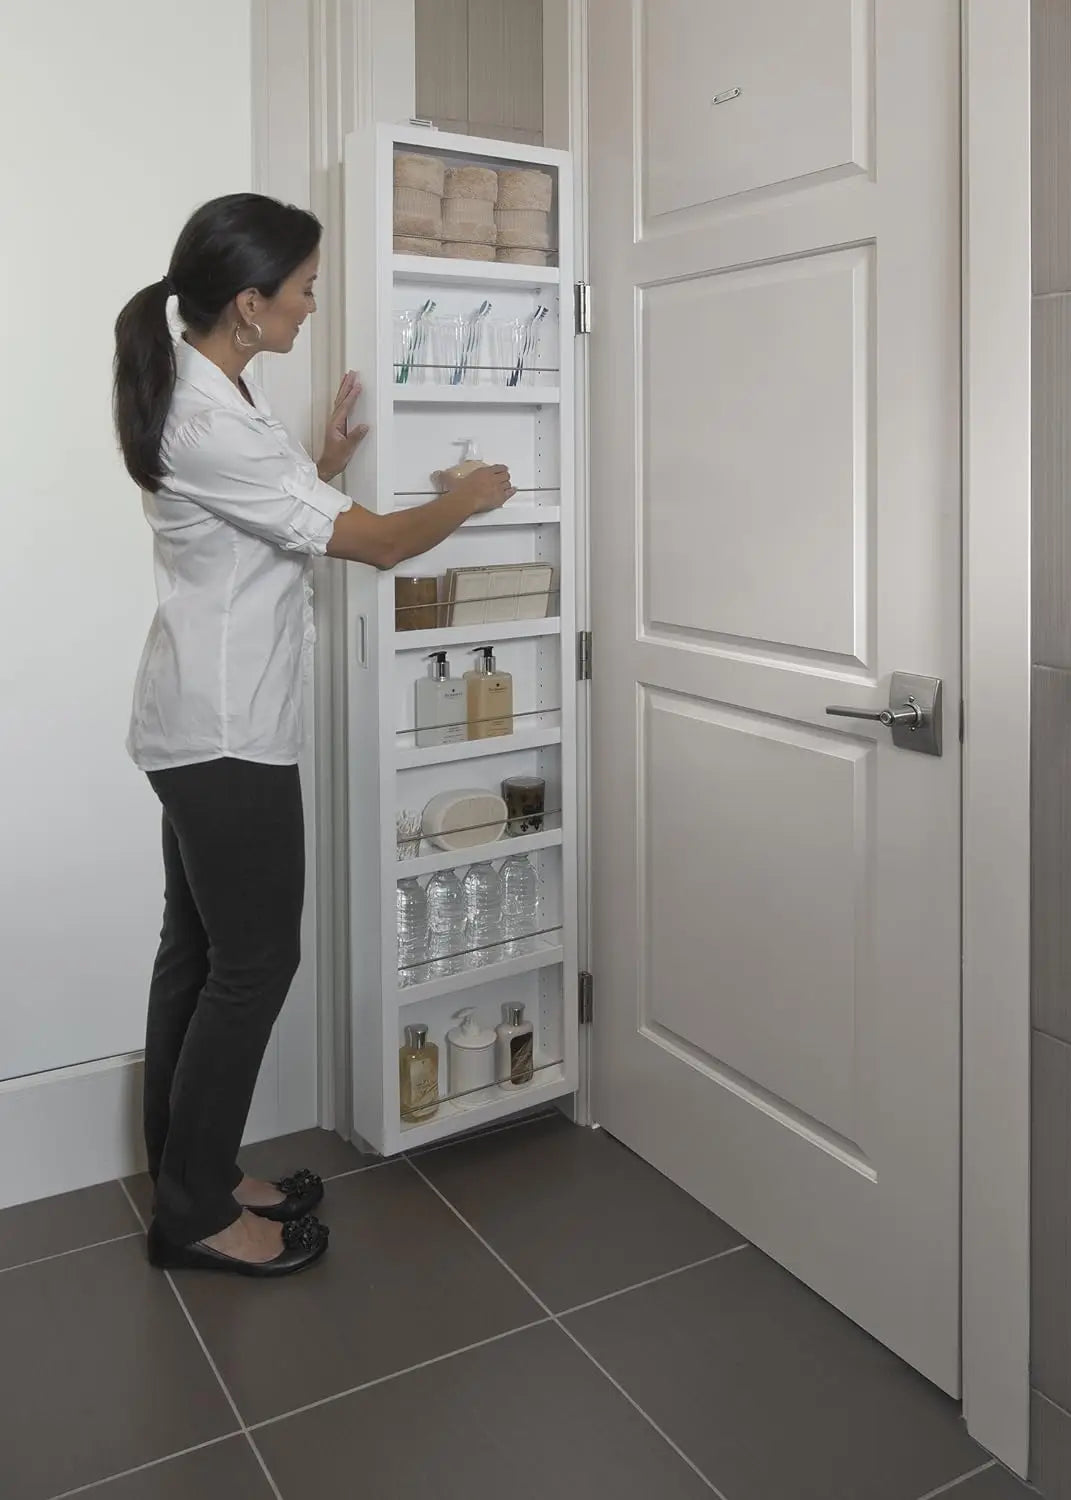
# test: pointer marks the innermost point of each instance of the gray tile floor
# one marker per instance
(533, 1312)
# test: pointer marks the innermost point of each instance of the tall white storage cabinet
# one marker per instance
(524, 420)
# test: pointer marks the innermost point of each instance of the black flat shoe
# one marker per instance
(304, 1242)
(303, 1192)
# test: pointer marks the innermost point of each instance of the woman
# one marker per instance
(237, 508)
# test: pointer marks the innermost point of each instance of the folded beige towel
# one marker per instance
(418, 213)
(460, 250)
(522, 187)
(522, 257)
(469, 219)
(523, 228)
(405, 244)
(417, 171)
(471, 182)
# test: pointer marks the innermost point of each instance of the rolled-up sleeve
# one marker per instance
(243, 470)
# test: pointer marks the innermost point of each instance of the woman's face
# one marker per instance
(280, 317)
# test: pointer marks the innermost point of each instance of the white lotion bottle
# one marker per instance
(470, 1058)
(441, 705)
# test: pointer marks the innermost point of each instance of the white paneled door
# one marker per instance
(776, 529)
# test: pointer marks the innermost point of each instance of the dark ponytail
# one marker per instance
(227, 247)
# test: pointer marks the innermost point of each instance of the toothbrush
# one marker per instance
(419, 334)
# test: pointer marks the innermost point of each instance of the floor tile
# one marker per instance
(528, 1417)
(994, 1484)
(99, 1372)
(68, 1222)
(773, 1393)
(572, 1212)
(225, 1471)
(403, 1282)
(320, 1150)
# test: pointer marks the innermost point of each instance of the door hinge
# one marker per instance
(586, 998)
(583, 656)
(582, 293)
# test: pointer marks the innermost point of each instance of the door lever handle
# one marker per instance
(913, 714)
(908, 717)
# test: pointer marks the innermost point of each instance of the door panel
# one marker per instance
(803, 72)
(728, 358)
(775, 529)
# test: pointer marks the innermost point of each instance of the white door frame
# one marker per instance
(996, 767)
(996, 635)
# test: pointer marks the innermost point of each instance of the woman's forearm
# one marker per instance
(384, 541)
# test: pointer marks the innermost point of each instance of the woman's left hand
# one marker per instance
(340, 443)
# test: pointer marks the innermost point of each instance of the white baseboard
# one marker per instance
(75, 1127)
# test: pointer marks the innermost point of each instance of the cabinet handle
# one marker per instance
(362, 640)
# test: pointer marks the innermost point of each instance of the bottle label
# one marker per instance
(423, 1089)
(521, 1059)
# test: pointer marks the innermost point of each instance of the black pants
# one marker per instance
(234, 869)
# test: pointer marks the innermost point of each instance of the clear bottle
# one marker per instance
(418, 1076)
(483, 912)
(514, 1050)
(441, 705)
(446, 924)
(411, 904)
(470, 459)
(489, 697)
(520, 903)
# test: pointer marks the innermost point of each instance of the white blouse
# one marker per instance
(240, 511)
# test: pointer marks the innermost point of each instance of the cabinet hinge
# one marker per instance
(583, 656)
(586, 998)
(582, 293)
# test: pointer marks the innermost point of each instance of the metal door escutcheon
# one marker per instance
(913, 714)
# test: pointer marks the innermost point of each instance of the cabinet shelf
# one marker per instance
(535, 738)
(447, 637)
(450, 859)
(476, 273)
(476, 395)
(550, 1083)
(547, 952)
(509, 515)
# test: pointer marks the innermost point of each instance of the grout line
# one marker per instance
(638, 1286)
(153, 1463)
(571, 1336)
(425, 1364)
(947, 1489)
(478, 1135)
(211, 1362)
(59, 1254)
(371, 1166)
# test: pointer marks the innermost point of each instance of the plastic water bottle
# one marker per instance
(446, 924)
(483, 912)
(412, 910)
(520, 903)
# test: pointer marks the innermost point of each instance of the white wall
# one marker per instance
(116, 118)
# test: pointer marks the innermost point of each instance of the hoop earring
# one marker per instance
(241, 342)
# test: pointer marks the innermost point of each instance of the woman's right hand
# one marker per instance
(487, 488)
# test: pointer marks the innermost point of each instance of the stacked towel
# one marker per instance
(522, 216)
(418, 204)
(469, 212)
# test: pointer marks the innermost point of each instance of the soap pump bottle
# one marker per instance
(418, 1068)
(470, 459)
(515, 1049)
(489, 697)
(441, 706)
(470, 1058)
